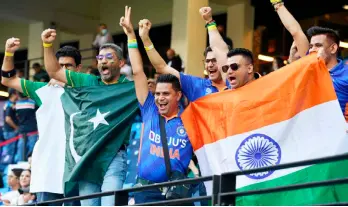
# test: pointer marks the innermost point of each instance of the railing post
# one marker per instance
(121, 198)
(228, 184)
(216, 190)
(24, 149)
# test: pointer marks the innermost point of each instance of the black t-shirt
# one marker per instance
(9, 110)
(25, 110)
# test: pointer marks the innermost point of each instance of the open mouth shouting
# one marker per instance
(105, 70)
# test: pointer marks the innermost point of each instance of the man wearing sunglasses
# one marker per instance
(193, 87)
(326, 42)
(240, 67)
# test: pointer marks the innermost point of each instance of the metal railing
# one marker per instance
(223, 186)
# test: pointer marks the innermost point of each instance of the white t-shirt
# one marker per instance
(48, 158)
(127, 71)
(11, 196)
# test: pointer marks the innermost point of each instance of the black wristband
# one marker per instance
(8, 74)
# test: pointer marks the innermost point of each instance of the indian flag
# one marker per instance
(290, 115)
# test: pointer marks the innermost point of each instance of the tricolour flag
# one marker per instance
(98, 121)
(290, 115)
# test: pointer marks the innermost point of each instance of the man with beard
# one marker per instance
(109, 64)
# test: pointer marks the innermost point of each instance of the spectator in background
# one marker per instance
(13, 183)
(25, 196)
(25, 110)
(93, 71)
(24, 179)
(227, 40)
(126, 69)
(151, 83)
(10, 128)
(40, 74)
(278, 62)
(174, 60)
(102, 37)
(20, 73)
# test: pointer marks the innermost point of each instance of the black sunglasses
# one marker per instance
(233, 66)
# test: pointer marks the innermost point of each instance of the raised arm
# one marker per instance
(216, 43)
(290, 23)
(139, 76)
(215, 40)
(9, 77)
(156, 60)
(51, 63)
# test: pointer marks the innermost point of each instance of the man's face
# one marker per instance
(212, 67)
(167, 99)
(108, 64)
(241, 76)
(12, 179)
(323, 46)
(68, 63)
(170, 54)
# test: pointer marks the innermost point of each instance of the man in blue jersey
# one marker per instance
(166, 103)
(326, 42)
(193, 87)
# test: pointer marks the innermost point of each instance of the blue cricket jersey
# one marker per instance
(339, 76)
(195, 87)
(151, 162)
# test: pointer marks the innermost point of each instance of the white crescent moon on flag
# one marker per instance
(71, 139)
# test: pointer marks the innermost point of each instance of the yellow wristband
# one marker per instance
(149, 47)
(212, 27)
(132, 41)
(47, 45)
(9, 54)
(276, 1)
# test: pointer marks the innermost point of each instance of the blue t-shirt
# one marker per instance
(339, 76)
(25, 110)
(151, 163)
(195, 87)
(9, 110)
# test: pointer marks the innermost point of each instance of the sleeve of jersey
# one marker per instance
(189, 85)
(29, 89)
(76, 79)
(148, 105)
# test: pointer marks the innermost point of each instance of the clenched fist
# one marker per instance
(144, 28)
(48, 36)
(12, 45)
(206, 13)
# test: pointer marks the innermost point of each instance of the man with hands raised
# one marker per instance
(163, 105)
(192, 87)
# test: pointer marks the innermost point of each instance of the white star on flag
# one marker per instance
(99, 119)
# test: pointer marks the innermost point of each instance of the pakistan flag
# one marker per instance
(98, 120)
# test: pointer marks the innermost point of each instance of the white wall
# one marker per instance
(159, 12)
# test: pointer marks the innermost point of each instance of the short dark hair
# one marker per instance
(103, 25)
(36, 65)
(243, 52)
(17, 172)
(208, 49)
(169, 78)
(69, 51)
(118, 50)
(330, 33)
